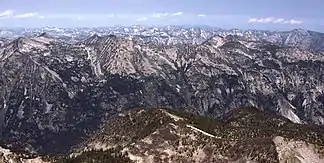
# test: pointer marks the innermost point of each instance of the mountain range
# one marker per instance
(308, 40)
(75, 94)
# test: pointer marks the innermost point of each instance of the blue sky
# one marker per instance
(241, 14)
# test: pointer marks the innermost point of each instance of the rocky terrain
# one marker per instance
(240, 136)
(55, 95)
(162, 135)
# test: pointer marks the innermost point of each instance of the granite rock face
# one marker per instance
(53, 94)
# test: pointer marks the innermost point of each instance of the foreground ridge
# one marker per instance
(163, 135)
(158, 137)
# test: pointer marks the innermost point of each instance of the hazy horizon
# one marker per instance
(158, 26)
(229, 14)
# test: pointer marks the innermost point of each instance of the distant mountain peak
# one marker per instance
(92, 39)
(301, 31)
(46, 35)
(112, 36)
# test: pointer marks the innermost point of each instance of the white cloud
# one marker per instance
(160, 15)
(201, 15)
(280, 20)
(262, 20)
(88, 16)
(6, 14)
(10, 14)
(274, 20)
(253, 20)
(141, 19)
(27, 15)
(177, 14)
(293, 21)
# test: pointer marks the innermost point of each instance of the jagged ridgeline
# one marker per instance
(171, 35)
(54, 95)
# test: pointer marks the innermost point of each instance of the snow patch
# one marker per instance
(178, 88)
(54, 74)
(69, 58)
(174, 117)
(48, 108)
(94, 63)
(71, 95)
(201, 131)
(304, 103)
(25, 91)
(241, 52)
(75, 79)
(286, 110)
(292, 116)
(83, 79)
(21, 112)
(43, 40)
(121, 115)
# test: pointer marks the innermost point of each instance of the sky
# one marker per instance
(227, 14)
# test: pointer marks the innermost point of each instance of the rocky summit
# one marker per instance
(78, 97)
